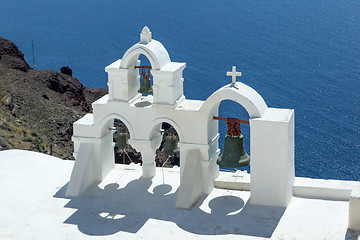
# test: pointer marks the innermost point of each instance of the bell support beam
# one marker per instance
(227, 119)
(233, 125)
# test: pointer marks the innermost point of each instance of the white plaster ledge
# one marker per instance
(239, 180)
(103, 100)
(190, 105)
(83, 139)
(303, 187)
(323, 188)
(114, 65)
(87, 120)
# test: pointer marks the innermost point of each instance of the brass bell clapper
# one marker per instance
(234, 154)
(145, 87)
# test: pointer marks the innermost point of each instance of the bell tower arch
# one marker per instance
(124, 78)
(271, 142)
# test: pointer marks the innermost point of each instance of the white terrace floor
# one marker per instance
(125, 206)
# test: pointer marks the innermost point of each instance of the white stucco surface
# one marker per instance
(126, 206)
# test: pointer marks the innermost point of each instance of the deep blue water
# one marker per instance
(303, 55)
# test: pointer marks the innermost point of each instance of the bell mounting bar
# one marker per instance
(231, 119)
(143, 72)
(233, 125)
(143, 67)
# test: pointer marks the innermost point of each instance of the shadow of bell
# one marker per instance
(162, 189)
(226, 205)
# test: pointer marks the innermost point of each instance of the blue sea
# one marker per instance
(303, 55)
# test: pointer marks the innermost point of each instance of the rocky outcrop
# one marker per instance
(38, 107)
(11, 56)
(72, 92)
(66, 70)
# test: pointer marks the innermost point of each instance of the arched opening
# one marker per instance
(229, 108)
(171, 135)
(144, 72)
(252, 106)
(123, 152)
(154, 51)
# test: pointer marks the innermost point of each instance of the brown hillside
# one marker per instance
(38, 107)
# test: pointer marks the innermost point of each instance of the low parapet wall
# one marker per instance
(303, 187)
(322, 188)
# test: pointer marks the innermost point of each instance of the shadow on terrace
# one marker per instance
(113, 209)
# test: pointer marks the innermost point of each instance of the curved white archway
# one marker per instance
(106, 119)
(253, 103)
(150, 129)
(154, 51)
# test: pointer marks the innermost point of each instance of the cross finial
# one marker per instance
(233, 74)
(145, 35)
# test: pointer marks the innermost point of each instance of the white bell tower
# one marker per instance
(124, 79)
(271, 130)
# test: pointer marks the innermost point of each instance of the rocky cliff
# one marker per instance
(38, 107)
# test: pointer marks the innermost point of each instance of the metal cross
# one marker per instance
(233, 74)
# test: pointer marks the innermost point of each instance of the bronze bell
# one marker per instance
(234, 154)
(170, 146)
(146, 87)
(121, 142)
